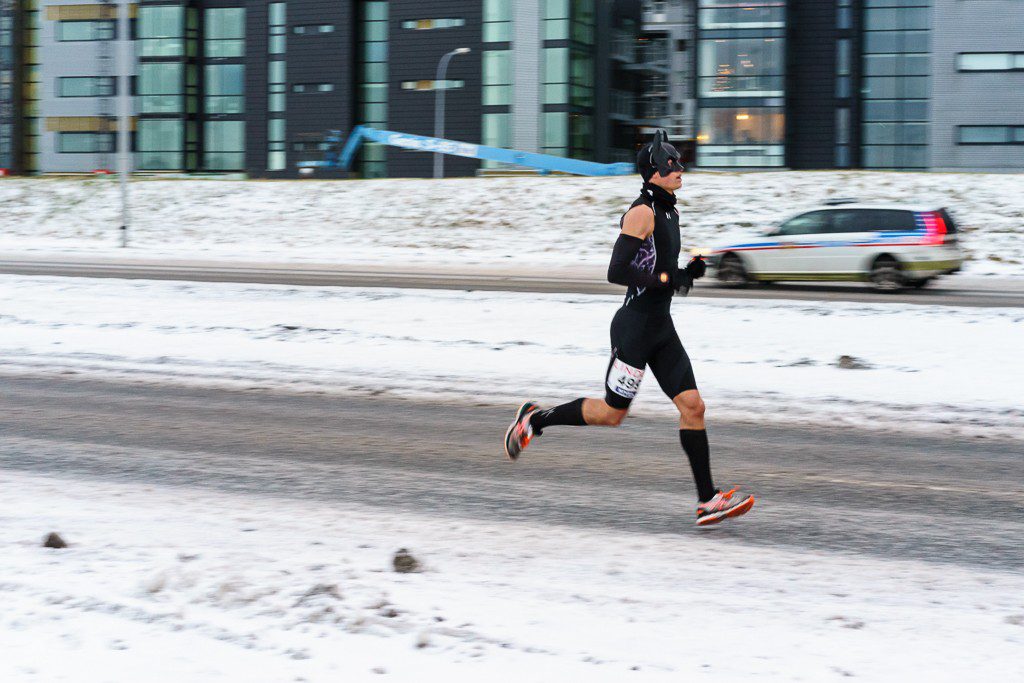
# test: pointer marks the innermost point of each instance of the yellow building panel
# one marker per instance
(86, 12)
(81, 124)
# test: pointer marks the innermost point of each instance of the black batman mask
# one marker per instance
(658, 156)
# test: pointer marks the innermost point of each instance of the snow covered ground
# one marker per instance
(941, 369)
(170, 585)
(543, 222)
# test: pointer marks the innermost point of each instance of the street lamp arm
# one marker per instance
(439, 88)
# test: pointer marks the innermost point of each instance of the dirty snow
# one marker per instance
(953, 369)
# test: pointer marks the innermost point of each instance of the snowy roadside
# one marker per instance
(467, 222)
(934, 368)
(163, 584)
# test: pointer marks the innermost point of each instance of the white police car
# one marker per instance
(888, 246)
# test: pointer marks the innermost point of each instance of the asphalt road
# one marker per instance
(938, 499)
(952, 291)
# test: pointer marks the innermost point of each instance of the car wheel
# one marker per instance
(886, 275)
(731, 272)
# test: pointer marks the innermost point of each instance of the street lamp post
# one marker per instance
(124, 103)
(439, 88)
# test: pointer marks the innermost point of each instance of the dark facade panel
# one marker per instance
(256, 88)
(311, 58)
(811, 85)
(11, 68)
(413, 55)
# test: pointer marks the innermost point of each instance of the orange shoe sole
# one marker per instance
(740, 509)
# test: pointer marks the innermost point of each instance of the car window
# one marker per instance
(850, 220)
(874, 220)
(807, 224)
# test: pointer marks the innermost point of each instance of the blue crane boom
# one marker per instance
(545, 163)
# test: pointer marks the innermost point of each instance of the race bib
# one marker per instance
(624, 379)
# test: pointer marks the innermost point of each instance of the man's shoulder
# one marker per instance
(642, 202)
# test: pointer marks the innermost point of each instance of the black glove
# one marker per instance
(681, 281)
(696, 267)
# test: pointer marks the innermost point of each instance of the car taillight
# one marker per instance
(935, 227)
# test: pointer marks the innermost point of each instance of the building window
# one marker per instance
(497, 77)
(276, 44)
(162, 31)
(555, 133)
(725, 14)
(85, 86)
(160, 144)
(581, 136)
(161, 87)
(843, 137)
(990, 61)
(277, 154)
(275, 145)
(432, 85)
(429, 24)
(224, 145)
(897, 18)
(741, 136)
(741, 67)
(225, 89)
(581, 78)
(225, 32)
(895, 86)
(85, 143)
(311, 29)
(70, 31)
(583, 21)
(556, 19)
(497, 26)
(991, 135)
(497, 130)
(312, 87)
(844, 15)
(556, 75)
(373, 84)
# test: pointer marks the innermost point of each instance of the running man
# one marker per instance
(646, 260)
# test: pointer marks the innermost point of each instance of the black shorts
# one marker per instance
(639, 339)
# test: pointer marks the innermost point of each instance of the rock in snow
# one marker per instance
(404, 562)
(53, 540)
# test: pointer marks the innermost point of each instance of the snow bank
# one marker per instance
(544, 222)
(168, 585)
(914, 366)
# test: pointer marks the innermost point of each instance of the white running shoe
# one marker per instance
(722, 506)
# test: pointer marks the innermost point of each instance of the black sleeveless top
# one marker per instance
(660, 251)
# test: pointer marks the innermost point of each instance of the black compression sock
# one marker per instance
(695, 443)
(566, 414)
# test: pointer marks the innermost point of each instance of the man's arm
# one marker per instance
(637, 225)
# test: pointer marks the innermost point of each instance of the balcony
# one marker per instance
(623, 46)
(651, 56)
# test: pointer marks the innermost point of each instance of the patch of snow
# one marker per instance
(170, 584)
(546, 222)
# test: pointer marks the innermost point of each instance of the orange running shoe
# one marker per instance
(722, 506)
(519, 433)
